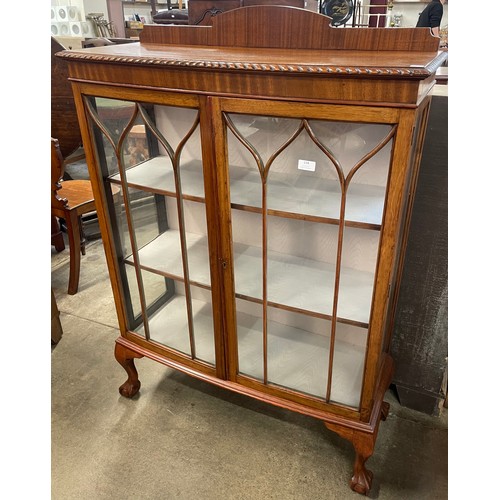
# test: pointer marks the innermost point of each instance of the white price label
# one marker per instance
(307, 165)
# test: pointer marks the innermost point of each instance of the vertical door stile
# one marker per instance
(218, 206)
(400, 163)
(418, 147)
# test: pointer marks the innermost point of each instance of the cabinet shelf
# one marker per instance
(317, 200)
(157, 176)
(314, 199)
(294, 283)
(163, 256)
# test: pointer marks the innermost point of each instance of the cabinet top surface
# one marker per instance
(417, 64)
(278, 39)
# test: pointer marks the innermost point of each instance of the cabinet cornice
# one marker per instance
(330, 70)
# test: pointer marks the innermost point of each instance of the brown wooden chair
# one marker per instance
(70, 200)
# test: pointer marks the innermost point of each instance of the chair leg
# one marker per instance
(56, 237)
(82, 236)
(72, 226)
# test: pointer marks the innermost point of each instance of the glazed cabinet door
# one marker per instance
(308, 187)
(151, 151)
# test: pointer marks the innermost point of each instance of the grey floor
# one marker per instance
(184, 439)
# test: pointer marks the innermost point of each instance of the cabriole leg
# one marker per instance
(126, 357)
(361, 480)
(364, 444)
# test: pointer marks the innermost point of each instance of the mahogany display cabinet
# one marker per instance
(267, 166)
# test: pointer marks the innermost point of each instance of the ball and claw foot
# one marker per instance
(361, 482)
(126, 357)
(129, 388)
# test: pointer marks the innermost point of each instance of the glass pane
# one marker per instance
(359, 260)
(131, 290)
(298, 350)
(169, 325)
(301, 258)
(301, 190)
(153, 154)
(114, 116)
(303, 180)
(247, 254)
(303, 177)
(348, 364)
(250, 338)
(156, 288)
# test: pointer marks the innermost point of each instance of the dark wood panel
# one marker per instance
(420, 338)
(64, 121)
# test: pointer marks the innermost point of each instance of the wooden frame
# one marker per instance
(240, 67)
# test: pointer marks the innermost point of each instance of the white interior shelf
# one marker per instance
(296, 282)
(158, 174)
(163, 254)
(297, 358)
(305, 195)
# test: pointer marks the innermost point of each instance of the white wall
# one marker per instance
(85, 7)
(69, 28)
(75, 3)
